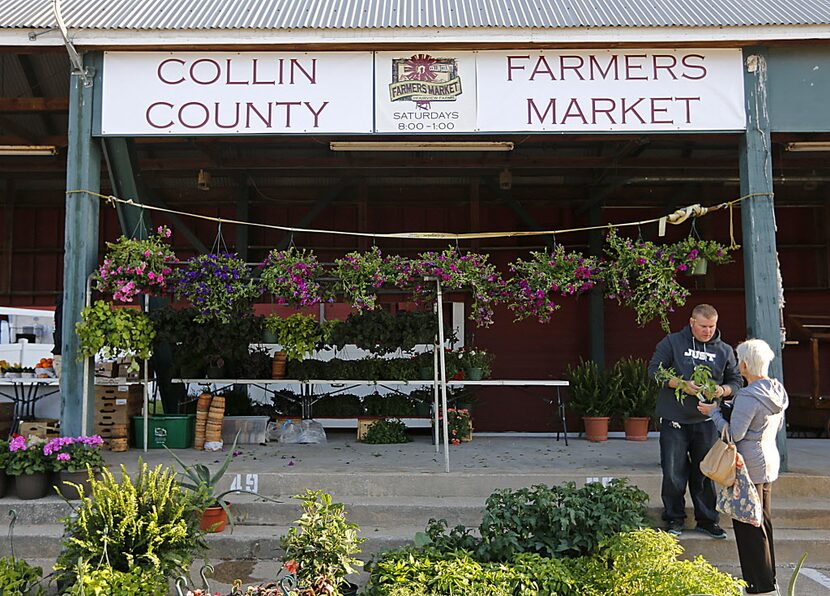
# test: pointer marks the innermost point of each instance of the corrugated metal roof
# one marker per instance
(383, 14)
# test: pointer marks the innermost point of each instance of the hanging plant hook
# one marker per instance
(13, 515)
(206, 568)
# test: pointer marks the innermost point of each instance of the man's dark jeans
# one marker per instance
(682, 447)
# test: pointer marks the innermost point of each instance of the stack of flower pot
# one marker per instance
(215, 418)
(278, 366)
(118, 438)
(202, 410)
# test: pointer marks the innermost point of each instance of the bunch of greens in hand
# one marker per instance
(701, 376)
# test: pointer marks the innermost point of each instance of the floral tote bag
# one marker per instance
(740, 501)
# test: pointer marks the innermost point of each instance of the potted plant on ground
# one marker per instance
(589, 395)
(76, 460)
(635, 393)
(209, 501)
(29, 466)
(476, 362)
(132, 266)
(459, 425)
(321, 549)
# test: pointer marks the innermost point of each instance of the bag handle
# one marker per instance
(726, 436)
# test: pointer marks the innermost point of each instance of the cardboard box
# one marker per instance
(108, 370)
(44, 428)
(116, 404)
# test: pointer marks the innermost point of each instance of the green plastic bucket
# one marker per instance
(174, 431)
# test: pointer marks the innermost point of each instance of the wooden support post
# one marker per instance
(763, 289)
(83, 171)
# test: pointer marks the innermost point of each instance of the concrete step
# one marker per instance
(389, 512)
(466, 484)
(262, 543)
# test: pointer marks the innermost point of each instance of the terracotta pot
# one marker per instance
(32, 486)
(214, 519)
(68, 491)
(278, 366)
(596, 428)
(636, 429)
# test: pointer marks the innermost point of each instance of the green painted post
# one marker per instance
(763, 290)
(83, 171)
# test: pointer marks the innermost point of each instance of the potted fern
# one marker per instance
(635, 393)
(588, 384)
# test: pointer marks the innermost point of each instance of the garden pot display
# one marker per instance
(475, 374)
(32, 486)
(636, 429)
(4, 483)
(68, 491)
(596, 428)
(214, 519)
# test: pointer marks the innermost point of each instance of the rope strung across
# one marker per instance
(674, 218)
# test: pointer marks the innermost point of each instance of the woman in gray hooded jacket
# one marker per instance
(757, 416)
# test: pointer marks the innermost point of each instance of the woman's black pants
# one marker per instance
(755, 547)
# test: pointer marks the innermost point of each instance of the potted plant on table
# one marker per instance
(321, 549)
(589, 395)
(476, 362)
(76, 460)
(635, 393)
(30, 467)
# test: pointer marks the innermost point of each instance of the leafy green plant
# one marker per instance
(691, 250)
(476, 358)
(18, 578)
(560, 520)
(645, 562)
(380, 332)
(149, 522)
(106, 581)
(359, 275)
(588, 385)
(298, 335)
(115, 332)
(701, 376)
(386, 431)
(632, 389)
(436, 536)
(323, 544)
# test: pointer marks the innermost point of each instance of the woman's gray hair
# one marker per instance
(756, 355)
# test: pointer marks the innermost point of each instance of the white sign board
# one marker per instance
(215, 93)
(425, 92)
(610, 90)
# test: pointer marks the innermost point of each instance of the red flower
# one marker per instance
(290, 566)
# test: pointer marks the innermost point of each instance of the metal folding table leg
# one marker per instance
(560, 406)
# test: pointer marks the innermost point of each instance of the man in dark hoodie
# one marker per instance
(686, 435)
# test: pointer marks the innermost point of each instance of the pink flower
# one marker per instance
(64, 457)
(18, 443)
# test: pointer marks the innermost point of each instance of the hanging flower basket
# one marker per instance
(219, 286)
(359, 275)
(546, 275)
(290, 276)
(696, 254)
(643, 276)
(132, 266)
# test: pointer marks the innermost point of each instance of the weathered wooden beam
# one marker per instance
(763, 290)
(23, 105)
(26, 135)
(81, 248)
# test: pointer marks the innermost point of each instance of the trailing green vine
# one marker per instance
(115, 332)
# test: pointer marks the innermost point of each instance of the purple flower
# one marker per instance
(64, 457)
(18, 443)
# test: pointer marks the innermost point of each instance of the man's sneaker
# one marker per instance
(675, 527)
(712, 530)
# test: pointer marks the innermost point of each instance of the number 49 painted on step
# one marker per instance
(251, 483)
